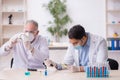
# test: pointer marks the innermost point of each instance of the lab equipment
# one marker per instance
(27, 73)
(97, 70)
(45, 71)
(113, 22)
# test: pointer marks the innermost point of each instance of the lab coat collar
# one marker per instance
(88, 39)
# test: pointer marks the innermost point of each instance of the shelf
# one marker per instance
(111, 24)
(12, 25)
(54, 46)
(12, 12)
(113, 51)
(6, 37)
(11, 28)
(57, 47)
(18, 10)
(113, 37)
(113, 11)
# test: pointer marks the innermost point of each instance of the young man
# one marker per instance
(29, 49)
(84, 48)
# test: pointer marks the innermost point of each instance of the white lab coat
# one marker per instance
(97, 52)
(23, 58)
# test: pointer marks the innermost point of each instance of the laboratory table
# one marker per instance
(19, 74)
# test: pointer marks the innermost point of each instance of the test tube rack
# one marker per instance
(97, 72)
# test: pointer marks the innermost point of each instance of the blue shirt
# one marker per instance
(83, 53)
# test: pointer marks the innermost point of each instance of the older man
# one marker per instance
(29, 49)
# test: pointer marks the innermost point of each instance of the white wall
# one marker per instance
(89, 13)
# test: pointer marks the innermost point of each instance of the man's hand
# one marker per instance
(50, 63)
(11, 43)
(74, 68)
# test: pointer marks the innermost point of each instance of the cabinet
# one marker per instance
(113, 28)
(13, 15)
(113, 24)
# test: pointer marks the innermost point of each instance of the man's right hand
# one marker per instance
(50, 63)
(12, 42)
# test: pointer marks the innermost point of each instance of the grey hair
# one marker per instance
(33, 22)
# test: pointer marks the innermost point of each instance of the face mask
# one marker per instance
(27, 37)
(77, 47)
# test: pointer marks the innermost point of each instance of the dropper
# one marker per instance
(45, 73)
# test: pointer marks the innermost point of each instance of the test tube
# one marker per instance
(96, 71)
(101, 72)
(105, 71)
(92, 71)
(88, 71)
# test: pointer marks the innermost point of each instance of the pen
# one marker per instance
(29, 69)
